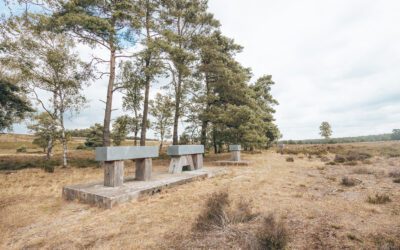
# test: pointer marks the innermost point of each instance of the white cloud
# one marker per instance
(331, 60)
(334, 60)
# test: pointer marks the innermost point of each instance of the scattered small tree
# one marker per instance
(325, 130)
(120, 129)
(161, 110)
(95, 136)
(395, 134)
(44, 62)
(131, 83)
(45, 134)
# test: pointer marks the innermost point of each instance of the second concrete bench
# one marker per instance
(113, 158)
(185, 156)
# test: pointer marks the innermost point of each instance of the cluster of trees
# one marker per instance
(176, 40)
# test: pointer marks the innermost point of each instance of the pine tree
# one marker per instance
(182, 22)
(108, 24)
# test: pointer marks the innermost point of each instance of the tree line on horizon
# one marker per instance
(177, 40)
(394, 136)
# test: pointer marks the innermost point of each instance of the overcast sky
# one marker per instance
(331, 60)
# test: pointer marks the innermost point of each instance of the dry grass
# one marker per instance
(395, 174)
(379, 199)
(363, 170)
(349, 182)
(318, 212)
(289, 159)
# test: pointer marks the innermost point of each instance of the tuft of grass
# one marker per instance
(397, 180)
(395, 174)
(272, 234)
(379, 199)
(214, 215)
(289, 159)
(339, 159)
(348, 181)
(363, 170)
(351, 163)
(243, 212)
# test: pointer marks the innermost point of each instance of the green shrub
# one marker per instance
(81, 147)
(22, 149)
(48, 167)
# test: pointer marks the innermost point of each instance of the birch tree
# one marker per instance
(45, 63)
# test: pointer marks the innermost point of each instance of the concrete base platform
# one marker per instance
(233, 163)
(107, 197)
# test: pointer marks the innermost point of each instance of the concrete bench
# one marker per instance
(235, 152)
(113, 158)
(189, 156)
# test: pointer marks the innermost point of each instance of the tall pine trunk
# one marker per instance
(203, 136)
(107, 115)
(175, 140)
(148, 80)
(204, 123)
(145, 112)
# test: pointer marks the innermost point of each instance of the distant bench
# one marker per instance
(235, 152)
(113, 158)
(185, 156)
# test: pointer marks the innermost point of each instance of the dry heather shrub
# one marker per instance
(214, 215)
(362, 170)
(351, 163)
(394, 174)
(289, 159)
(379, 199)
(272, 234)
(348, 181)
(242, 212)
(339, 159)
(387, 243)
(227, 225)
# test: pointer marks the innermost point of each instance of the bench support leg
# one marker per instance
(113, 173)
(197, 161)
(235, 156)
(178, 162)
(143, 169)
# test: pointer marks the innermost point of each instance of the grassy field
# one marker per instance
(318, 196)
